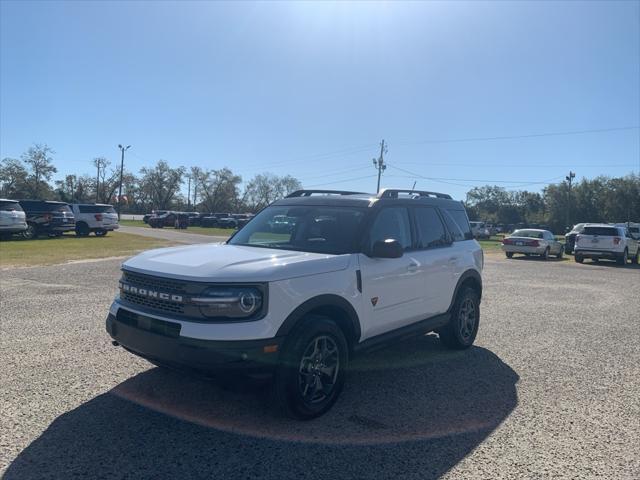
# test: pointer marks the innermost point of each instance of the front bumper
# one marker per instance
(160, 341)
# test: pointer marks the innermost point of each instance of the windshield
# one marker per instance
(527, 233)
(303, 228)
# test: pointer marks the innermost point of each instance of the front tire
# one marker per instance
(312, 368)
(545, 255)
(101, 233)
(461, 331)
(578, 258)
(509, 254)
(560, 254)
(635, 260)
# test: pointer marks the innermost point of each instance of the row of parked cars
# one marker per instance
(167, 218)
(619, 242)
(34, 218)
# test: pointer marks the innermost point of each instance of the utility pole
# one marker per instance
(379, 163)
(98, 182)
(189, 193)
(122, 149)
(569, 178)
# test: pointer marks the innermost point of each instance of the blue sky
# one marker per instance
(310, 89)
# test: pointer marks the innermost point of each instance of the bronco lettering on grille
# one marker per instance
(145, 292)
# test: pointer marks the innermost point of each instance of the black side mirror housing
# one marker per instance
(389, 248)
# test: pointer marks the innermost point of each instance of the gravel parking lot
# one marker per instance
(551, 389)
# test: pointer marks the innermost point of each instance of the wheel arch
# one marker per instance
(470, 278)
(332, 306)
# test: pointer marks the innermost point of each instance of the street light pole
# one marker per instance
(569, 178)
(122, 149)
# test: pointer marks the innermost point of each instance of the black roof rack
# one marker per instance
(393, 193)
(308, 193)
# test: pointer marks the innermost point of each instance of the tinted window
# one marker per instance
(96, 209)
(431, 232)
(453, 227)
(393, 223)
(460, 217)
(309, 229)
(10, 206)
(605, 231)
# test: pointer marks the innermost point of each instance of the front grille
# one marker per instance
(154, 303)
(154, 283)
(149, 282)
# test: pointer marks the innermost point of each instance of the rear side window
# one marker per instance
(96, 209)
(453, 227)
(460, 217)
(431, 232)
(391, 222)
(10, 207)
(602, 231)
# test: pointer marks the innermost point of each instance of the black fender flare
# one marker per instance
(475, 276)
(328, 302)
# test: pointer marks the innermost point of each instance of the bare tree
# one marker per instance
(41, 169)
(219, 190)
(266, 188)
(161, 184)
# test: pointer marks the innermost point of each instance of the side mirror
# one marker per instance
(389, 248)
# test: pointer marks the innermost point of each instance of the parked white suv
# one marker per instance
(601, 240)
(12, 218)
(352, 272)
(98, 218)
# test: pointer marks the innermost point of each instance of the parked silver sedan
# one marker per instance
(532, 241)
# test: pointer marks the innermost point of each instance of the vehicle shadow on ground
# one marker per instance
(537, 258)
(413, 411)
(610, 264)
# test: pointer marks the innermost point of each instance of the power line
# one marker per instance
(515, 137)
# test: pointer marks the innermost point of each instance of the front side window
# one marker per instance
(317, 229)
(391, 223)
(431, 232)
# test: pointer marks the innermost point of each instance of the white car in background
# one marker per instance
(532, 241)
(480, 230)
(12, 218)
(602, 240)
(98, 218)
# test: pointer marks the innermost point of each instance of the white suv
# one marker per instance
(353, 271)
(94, 217)
(601, 240)
(12, 218)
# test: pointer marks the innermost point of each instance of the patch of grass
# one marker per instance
(52, 251)
(217, 232)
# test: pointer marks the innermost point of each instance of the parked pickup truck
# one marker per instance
(599, 240)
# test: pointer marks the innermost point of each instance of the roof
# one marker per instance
(360, 199)
(8, 200)
(600, 225)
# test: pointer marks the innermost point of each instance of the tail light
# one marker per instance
(98, 217)
(616, 240)
(534, 243)
(506, 241)
(578, 237)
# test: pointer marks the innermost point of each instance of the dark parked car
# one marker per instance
(167, 219)
(213, 220)
(570, 237)
(47, 218)
(195, 218)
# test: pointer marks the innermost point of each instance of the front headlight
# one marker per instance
(230, 302)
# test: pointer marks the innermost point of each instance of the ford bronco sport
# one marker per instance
(353, 271)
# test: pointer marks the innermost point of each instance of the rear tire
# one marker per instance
(560, 254)
(101, 233)
(624, 258)
(311, 370)
(82, 229)
(461, 331)
(578, 258)
(635, 260)
(509, 254)
(31, 233)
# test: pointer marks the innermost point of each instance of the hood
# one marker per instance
(233, 263)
